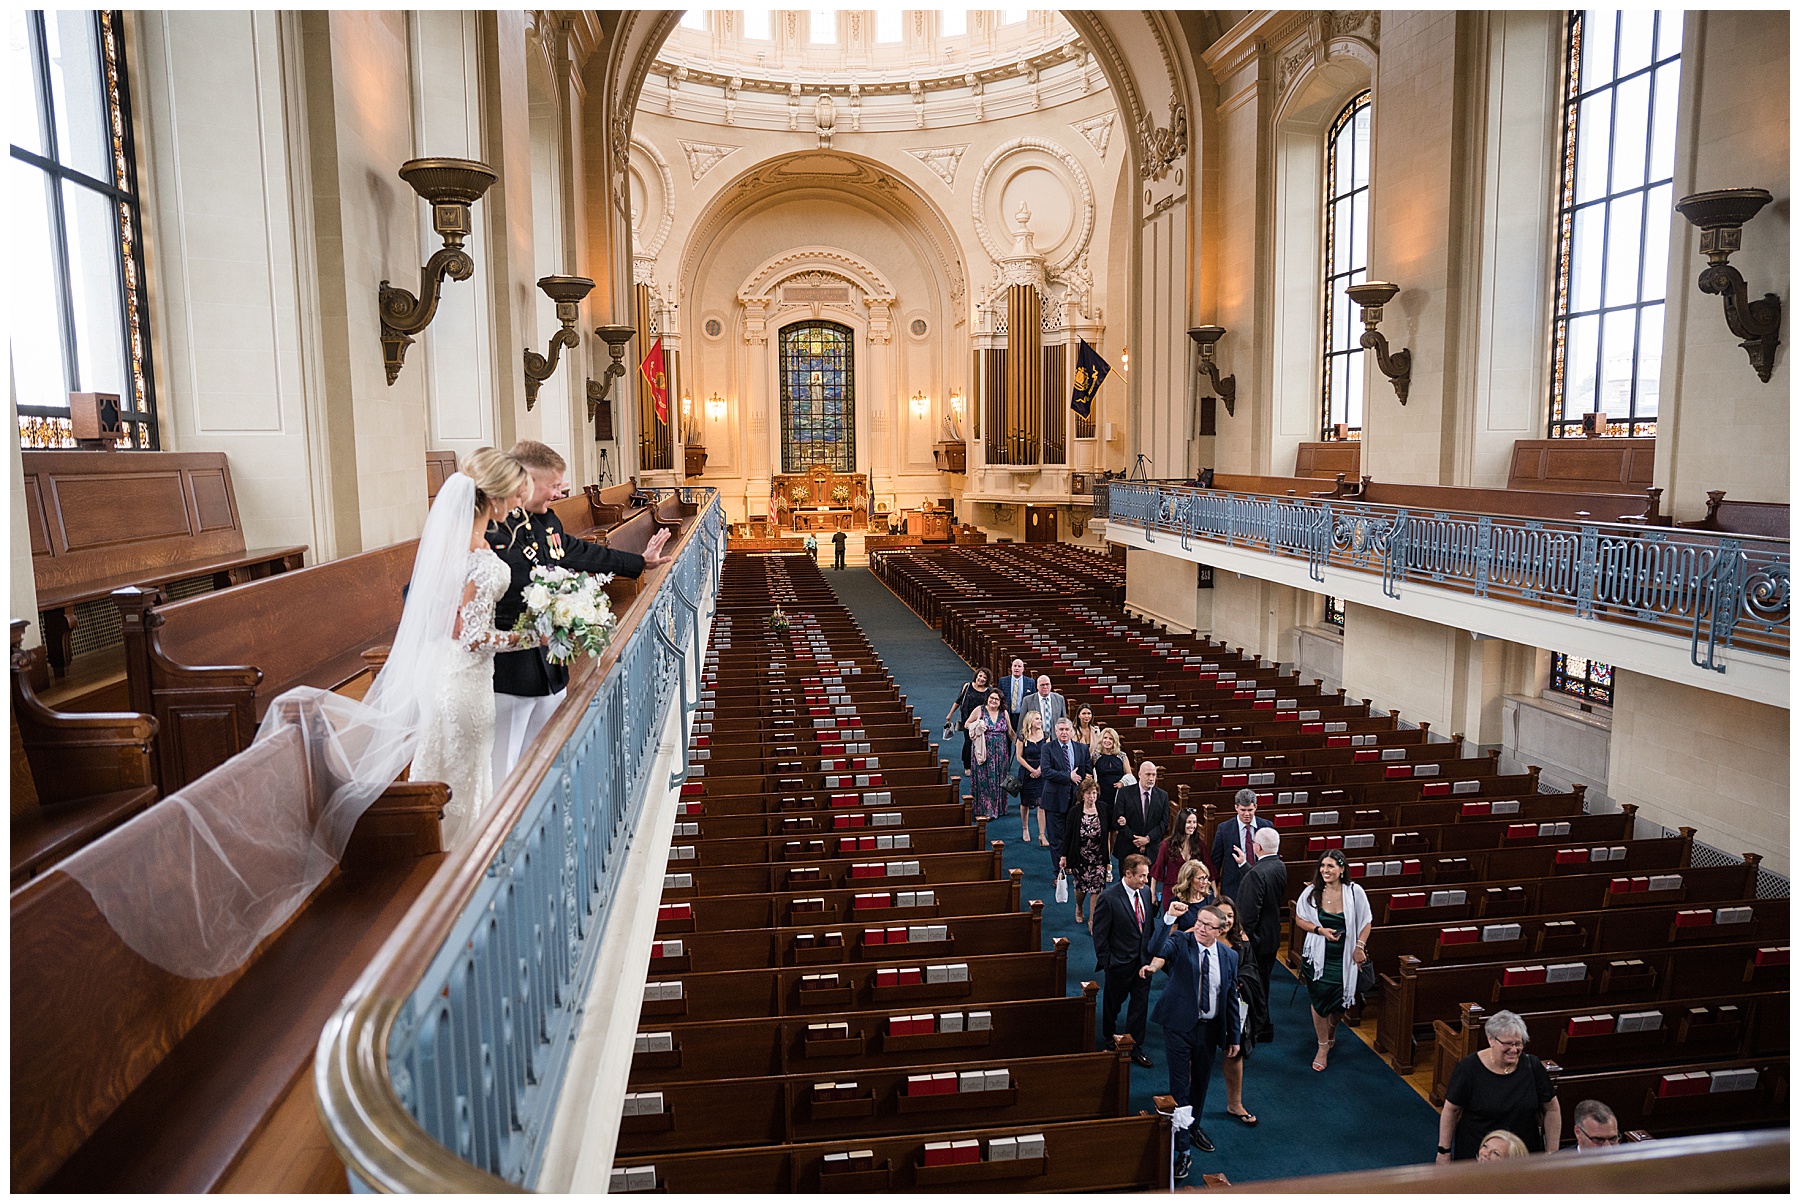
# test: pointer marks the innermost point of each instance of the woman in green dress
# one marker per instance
(1328, 908)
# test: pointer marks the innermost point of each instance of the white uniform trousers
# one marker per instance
(517, 721)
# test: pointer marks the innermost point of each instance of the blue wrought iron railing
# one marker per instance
(1720, 591)
(443, 1067)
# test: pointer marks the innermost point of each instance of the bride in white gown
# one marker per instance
(456, 744)
(194, 883)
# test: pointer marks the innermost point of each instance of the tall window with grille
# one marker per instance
(1346, 263)
(1578, 677)
(75, 288)
(818, 397)
(1616, 200)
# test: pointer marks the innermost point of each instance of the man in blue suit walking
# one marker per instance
(1198, 1013)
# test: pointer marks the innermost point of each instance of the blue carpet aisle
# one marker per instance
(1310, 1123)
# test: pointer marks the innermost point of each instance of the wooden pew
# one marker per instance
(1697, 1029)
(785, 990)
(207, 667)
(836, 873)
(1420, 994)
(1634, 1096)
(1576, 892)
(1126, 1154)
(102, 520)
(750, 948)
(1329, 459)
(129, 1078)
(75, 777)
(741, 1112)
(610, 504)
(1582, 465)
(1022, 1028)
(1768, 519)
(770, 909)
(439, 465)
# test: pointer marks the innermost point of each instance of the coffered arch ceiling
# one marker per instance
(838, 176)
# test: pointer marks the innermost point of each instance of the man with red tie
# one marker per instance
(1124, 917)
(1234, 844)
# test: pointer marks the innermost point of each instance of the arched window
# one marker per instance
(1612, 262)
(1346, 262)
(818, 397)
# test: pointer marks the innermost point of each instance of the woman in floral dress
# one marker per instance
(1084, 857)
(990, 737)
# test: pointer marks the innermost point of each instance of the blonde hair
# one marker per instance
(1033, 719)
(1100, 740)
(1184, 879)
(1510, 1143)
(497, 476)
(539, 457)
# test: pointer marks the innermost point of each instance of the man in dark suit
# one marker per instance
(1015, 688)
(527, 687)
(1198, 1012)
(1233, 844)
(838, 542)
(1141, 816)
(1261, 891)
(1065, 762)
(1124, 924)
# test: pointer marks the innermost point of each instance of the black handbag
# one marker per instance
(1367, 983)
(1010, 784)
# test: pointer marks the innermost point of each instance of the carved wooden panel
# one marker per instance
(212, 499)
(1583, 465)
(34, 517)
(1326, 459)
(438, 467)
(99, 511)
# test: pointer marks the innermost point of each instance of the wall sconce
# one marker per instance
(451, 186)
(1397, 365)
(567, 292)
(956, 402)
(687, 410)
(615, 338)
(715, 408)
(1125, 360)
(1205, 338)
(1721, 215)
(921, 405)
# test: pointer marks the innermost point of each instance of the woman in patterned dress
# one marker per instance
(1084, 857)
(990, 737)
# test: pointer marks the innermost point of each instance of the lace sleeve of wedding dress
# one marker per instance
(195, 882)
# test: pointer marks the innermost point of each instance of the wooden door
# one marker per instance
(1040, 524)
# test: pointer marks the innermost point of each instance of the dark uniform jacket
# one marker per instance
(525, 540)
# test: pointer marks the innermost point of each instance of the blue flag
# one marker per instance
(1090, 371)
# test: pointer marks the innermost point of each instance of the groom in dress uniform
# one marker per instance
(527, 687)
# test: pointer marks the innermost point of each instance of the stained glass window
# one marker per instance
(1578, 677)
(1334, 611)
(1346, 262)
(1616, 199)
(818, 397)
(75, 292)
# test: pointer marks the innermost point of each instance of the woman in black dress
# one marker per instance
(1254, 1006)
(968, 701)
(1110, 765)
(1084, 857)
(1029, 754)
(1501, 1087)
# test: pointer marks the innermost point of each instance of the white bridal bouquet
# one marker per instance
(568, 612)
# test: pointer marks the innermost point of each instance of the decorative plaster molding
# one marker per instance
(761, 296)
(1163, 148)
(702, 157)
(995, 250)
(1324, 37)
(942, 160)
(653, 246)
(1097, 130)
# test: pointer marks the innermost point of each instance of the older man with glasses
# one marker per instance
(1596, 1127)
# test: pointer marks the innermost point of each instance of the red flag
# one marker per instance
(657, 377)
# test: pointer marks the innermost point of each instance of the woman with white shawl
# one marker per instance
(1329, 907)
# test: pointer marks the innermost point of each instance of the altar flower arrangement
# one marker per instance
(568, 612)
(841, 494)
(778, 621)
(798, 493)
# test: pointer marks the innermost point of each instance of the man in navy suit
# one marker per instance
(1015, 688)
(1198, 1013)
(1234, 844)
(1124, 923)
(1065, 762)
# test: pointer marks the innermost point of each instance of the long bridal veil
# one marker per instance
(197, 881)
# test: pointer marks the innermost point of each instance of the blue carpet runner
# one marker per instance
(1357, 1115)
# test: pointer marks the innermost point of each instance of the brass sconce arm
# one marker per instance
(1721, 216)
(1371, 295)
(567, 292)
(1206, 338)
(452, 186)
(615, 338)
